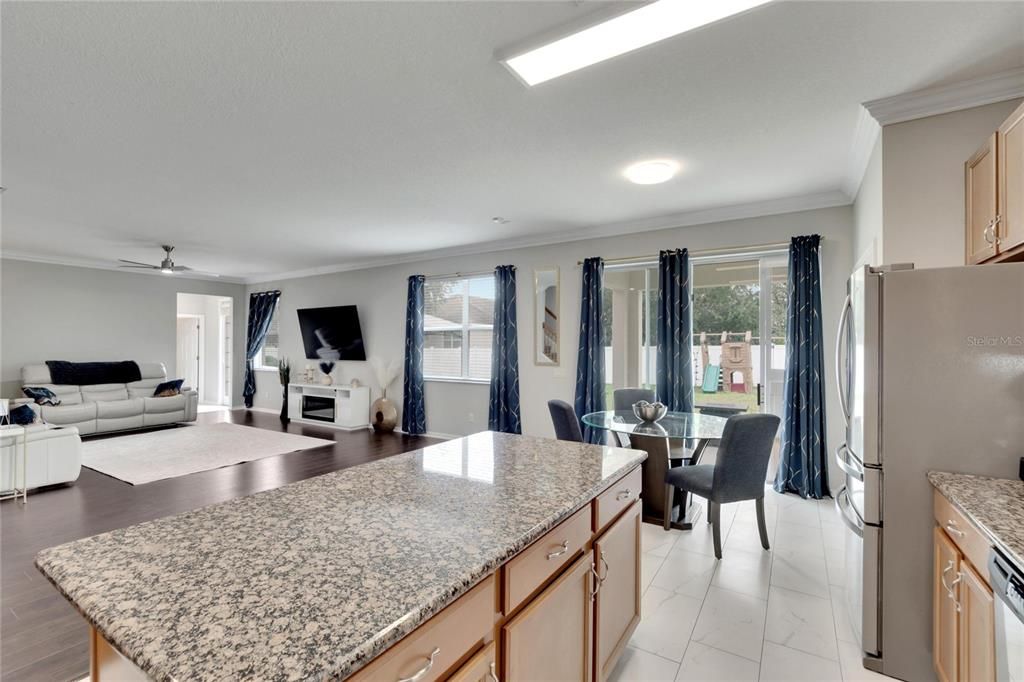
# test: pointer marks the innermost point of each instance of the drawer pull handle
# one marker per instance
(491, 674)
(623, 495)
(565, 548)
(951, 528)
(419, 674)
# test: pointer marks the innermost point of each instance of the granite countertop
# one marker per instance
(995, 505)
(313, 579)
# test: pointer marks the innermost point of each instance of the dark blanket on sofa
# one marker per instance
(82, 373)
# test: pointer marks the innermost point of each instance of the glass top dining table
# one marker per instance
(684, 425)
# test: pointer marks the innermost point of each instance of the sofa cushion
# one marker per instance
(41, 394)
(69, 395)
(104, 392)
(68, 414)
(167, 389)
(161, 405)
(22, 415)
(109, 409)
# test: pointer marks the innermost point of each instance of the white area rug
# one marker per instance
(147, 457)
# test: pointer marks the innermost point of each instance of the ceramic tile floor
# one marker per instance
(754, 615)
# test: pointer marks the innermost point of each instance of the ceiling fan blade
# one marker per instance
(138, 267)
(181, 268)
(137, 263)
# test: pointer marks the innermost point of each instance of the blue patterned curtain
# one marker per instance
(414, 413)
(503, 413)
(675, 331)
(803, 465)
(261, 312)
(590, 358)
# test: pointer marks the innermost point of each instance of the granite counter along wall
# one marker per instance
(243, 588)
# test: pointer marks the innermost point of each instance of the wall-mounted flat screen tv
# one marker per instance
(332, 334)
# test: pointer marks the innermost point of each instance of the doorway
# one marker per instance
(204, 347)
(739, 329)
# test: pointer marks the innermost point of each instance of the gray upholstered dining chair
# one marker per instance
(623, 399)
(567, 425)
(738, 472)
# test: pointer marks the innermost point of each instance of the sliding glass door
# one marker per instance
(739, 331)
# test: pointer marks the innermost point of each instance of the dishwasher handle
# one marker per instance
(1007, 582)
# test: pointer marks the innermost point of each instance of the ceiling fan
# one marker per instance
(166, 266)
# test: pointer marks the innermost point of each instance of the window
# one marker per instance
(269, 354)
(458, 315)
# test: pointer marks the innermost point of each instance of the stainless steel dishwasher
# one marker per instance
(1008, 587)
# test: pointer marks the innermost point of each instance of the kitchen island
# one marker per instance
(478, 543)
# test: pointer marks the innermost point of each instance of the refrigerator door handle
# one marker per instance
(849, 465)
(842, 504)
(844, 319)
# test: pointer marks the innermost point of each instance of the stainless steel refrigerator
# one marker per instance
(930, 367)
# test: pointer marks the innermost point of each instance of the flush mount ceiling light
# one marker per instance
(651, 172)
(624, 33)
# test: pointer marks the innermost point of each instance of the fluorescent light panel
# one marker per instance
(624, 33)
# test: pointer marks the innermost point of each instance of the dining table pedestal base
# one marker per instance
(685, 513)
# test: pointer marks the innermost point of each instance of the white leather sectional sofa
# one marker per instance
(52, 456)
(99, 408)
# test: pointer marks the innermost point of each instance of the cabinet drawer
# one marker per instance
(620, 495)
(480, 668)
(964, 534)
(534, 565)
(450, 634)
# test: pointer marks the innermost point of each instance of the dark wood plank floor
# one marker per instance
(41, 636)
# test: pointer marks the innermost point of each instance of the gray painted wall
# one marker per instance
(461, 408)
(57, 312)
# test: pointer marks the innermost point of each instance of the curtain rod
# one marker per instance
(450, 275)
(733, 250)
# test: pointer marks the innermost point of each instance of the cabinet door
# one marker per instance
(945, 625)
(480, 668)
(1011, 181)
(977, 627)
(981, 202)
(617, 606)
(551, 639)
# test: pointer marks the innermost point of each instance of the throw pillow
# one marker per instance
(42, 396)
(168, 388)
(22, 415)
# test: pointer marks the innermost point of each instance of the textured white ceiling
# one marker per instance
(271, 137)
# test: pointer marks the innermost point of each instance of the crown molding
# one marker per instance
(865, 134)
(944, 99)
(720, 214)
(29, 257)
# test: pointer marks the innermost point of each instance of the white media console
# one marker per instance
(342, 407)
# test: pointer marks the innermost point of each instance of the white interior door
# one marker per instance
(189, 350)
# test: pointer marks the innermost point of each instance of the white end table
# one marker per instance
(13, 431)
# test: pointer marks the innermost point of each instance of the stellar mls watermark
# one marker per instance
(989, 341)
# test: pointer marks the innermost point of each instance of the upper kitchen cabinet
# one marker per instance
(1010, 221)
(994, 195)
(981, 201)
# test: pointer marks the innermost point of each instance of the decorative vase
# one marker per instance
(284, 404)
(327, 380)
(384, 415)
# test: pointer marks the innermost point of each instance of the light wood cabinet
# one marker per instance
(977, 627)
(551, 639)
(617, 603)
(481, 668)
(994, 195)
(981, 202)
(946, 618)
(963, 641)
(1010, 176)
